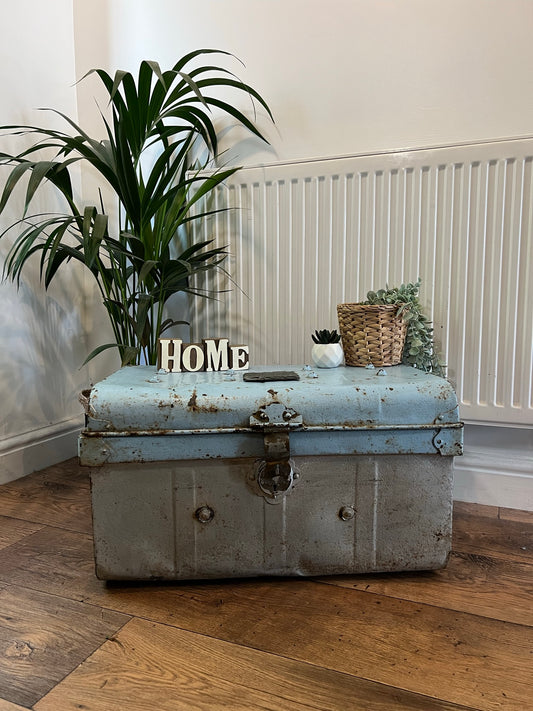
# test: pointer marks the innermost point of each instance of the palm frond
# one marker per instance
(158, 120)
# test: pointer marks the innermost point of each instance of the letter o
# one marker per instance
(193, 363)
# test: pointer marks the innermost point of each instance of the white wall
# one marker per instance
(41, 335)
(344, 77)
(347, 76)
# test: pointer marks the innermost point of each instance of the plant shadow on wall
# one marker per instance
(161, 123)
(45, 340)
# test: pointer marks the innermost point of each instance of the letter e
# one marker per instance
(240, 357)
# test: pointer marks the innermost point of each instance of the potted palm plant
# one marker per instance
(160, 122)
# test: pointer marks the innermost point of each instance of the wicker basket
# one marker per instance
(371, 334)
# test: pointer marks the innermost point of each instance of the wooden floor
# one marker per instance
(457, 639)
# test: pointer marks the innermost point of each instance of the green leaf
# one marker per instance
(146, 268)
(98, 350)
(168, 323)
(12, 180)
(129, 355)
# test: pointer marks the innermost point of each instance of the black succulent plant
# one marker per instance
(326, 336)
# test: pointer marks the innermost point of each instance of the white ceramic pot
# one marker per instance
(327, 355)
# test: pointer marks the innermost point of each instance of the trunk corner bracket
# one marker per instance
(449, 442)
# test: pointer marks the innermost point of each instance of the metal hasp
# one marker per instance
(275, 474)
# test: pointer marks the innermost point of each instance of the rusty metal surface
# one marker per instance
(146, 447)
(342, 410)
(209, 519)
(198, 476)
(137, 398)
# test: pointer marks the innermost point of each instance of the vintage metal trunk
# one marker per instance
(202, 475)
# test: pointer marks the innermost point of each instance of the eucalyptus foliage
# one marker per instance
(419, 350)
(159, 121)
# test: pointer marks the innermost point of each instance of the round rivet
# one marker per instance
(347, 513)
(204, 514)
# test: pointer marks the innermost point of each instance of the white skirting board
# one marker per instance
(496, 468)
(31, 451)
(486, 474)
(480, 478)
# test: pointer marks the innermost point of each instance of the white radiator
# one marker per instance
(308, 235)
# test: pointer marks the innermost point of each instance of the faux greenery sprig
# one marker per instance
(419, 350)
(325, 336)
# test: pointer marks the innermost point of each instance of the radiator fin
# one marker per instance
(304, 237)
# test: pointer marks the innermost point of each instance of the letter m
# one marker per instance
(216, 353)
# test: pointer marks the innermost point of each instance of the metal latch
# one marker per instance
(275, 415)
(275, 479)
(275, 474)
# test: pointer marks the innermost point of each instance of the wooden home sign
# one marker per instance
(212, 354)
